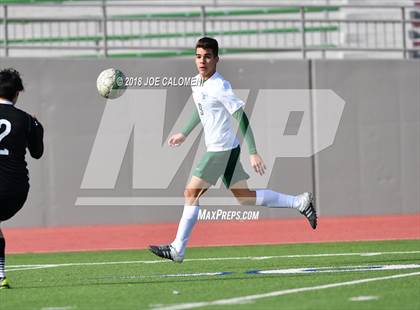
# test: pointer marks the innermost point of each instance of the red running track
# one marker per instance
(222, 233)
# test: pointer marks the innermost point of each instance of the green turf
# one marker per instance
(139, 285)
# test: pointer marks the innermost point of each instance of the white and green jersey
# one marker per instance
(216, 102)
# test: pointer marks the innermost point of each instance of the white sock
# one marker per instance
(269, 198)
(185, 226)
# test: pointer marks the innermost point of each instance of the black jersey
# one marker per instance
(18, 131)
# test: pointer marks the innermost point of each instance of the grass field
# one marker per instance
(379, 275)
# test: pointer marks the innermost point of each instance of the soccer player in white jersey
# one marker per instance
(216, 105)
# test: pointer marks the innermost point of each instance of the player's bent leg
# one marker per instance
(243, 194)
(176, 250)
(303, 202)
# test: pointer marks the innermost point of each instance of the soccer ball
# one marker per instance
(111, 83)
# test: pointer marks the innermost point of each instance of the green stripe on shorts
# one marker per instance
(225, 164)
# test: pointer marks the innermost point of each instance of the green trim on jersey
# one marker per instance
(246, 130)
(225, 164)
(192, 123)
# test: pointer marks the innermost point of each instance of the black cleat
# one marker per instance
(166, 251)
(308, 210)
(310, 214)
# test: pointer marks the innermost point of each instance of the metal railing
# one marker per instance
(240, 28)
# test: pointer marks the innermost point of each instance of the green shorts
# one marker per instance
(225, 164)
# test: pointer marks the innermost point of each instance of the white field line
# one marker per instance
(29, 268)
(330, 269)
(58, 308)
(309, 270)
(177, 275)
(251, 298)
(40, 266)
(363, 298)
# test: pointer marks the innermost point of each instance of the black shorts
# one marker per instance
(11, 204)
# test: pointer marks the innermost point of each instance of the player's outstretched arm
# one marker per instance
(179, 138)
(35, 138)
(246, 131)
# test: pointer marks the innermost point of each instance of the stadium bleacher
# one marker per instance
(144, 29)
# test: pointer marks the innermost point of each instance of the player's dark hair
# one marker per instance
(208, 43)
(10, 83)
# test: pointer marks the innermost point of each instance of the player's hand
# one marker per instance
(258, 164)
(176, 140)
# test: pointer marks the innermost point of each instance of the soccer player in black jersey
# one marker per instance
(18, 131)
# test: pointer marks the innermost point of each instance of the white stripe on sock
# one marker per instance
(2, 275)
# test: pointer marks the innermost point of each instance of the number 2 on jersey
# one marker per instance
(3, 134)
